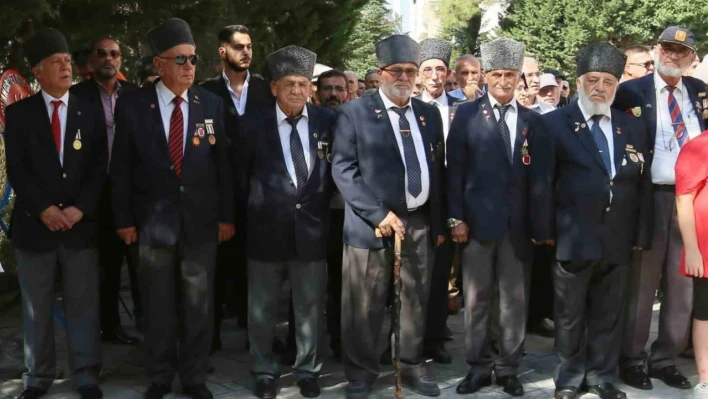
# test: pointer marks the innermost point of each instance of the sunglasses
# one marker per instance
(646, 65)
(182, 59)
(103, 53)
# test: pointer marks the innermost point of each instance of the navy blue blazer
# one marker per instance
(484, 189)
(370, 173)
(146, 192)
(284, 224)
(642, 93)
(452, 102)
(39, 179)
(570, 188)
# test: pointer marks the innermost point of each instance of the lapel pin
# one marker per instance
(378, 111)
(152, 106)
(314, 135)
(423, 123)
(624, 161)
(577, 126)
(484, 112)
(647, 106)
(525, 133)
(487, 117)
(196, 99)
(196, 141)
(583, 125)
(421, 118)
(619, 131)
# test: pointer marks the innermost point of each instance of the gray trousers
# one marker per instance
(366, 276)
(660, 265)
(177, 285)
(588, 317)
(307, 280)
(37, 272)
(490, 269)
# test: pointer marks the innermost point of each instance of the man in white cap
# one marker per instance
(549, 92)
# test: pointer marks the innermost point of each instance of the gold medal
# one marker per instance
(77, 145)
(524, 151)
(634, 157)
(212, 139)
(320, 154)
(624, 161)
(196, 141)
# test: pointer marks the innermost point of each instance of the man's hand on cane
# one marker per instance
(392, 224)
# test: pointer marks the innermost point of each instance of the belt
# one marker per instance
(420, 209)
(668, 188)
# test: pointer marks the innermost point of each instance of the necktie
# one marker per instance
(175, 142)
(601, 141)
(415, 181)
(298, 154)
(676, 117)
(56, 125)
(506, 135)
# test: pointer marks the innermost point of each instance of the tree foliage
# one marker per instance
(323, 26)
(460, 22)
(553, 31)
(372, 25)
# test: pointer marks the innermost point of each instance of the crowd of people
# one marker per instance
(547, 213)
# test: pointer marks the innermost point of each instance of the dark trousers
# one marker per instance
(335, 247)
(541, 290)
(436, 319)
(588, 316)
(178, 279)
(231, 270)
(37, 272)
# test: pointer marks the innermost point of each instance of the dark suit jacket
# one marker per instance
(642, 93)
(284, 223)
(570, 196)
(40, 180)
(146, 192)
(88, 91)
(452, 102)
(484, 190)
(370, 173)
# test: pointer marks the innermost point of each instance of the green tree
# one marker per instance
(372, 25)
(460, 22)
(554, 31)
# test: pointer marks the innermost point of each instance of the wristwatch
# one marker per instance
(452, 223)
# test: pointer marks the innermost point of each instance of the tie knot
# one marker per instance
(56, 103)
(671, 89)
(597, 118)
(177, 100)
(502, 108)
(293, 120)
(400, 110)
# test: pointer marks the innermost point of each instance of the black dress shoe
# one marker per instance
(421, 385)
(119, 336)
(386, 358)
(90, 392)
(309, 387)
(566, 393)
(199, 391)
(636, 377)
(511, 385)
(157, 391)
(265, 388)
(671, 377)
(606, 391)
(473, 383)
(438, 353)
(357, 390)
(31, 393)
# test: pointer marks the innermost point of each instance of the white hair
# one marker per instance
(530, 59)
(590, 106)
(667, 70)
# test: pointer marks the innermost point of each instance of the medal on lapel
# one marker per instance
(77, 140)
(200, 130)
(320, 151)
(212, 139)
(196, 141)
(525, 157)
(422, 120)
(432, 153)
(624, 161)
(210, 131)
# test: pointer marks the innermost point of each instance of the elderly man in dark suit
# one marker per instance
(286, 173)
(671, 107)
(487, 187)
(172, 193)
(103, 90)
(591, 198)
(388, 164)
(56, 163)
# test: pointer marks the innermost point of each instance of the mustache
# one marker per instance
(506, 87)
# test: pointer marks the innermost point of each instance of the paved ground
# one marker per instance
(123, 376)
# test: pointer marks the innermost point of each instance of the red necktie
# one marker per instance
(175, 142)
(56, 125)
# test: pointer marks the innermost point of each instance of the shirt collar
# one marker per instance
(660, 84)
(166, 95)
(228, 81)
(587, 115)
(388, 104)
(103, 88)
(493, 101)
(48, 99)
(441, 100)
(281, 115)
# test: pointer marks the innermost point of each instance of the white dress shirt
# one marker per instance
(510, 117)
(240, 105)
(662, 168)
(443, 107)
(303, 130)
(63, 110)
(606, 126)
(167, 106)
(411, 201)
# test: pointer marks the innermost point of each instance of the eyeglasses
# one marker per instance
(428, 72)
(182, 59)
(679, 51)
(103, 53)
(337, 89)
(397, 72)
(646, 65)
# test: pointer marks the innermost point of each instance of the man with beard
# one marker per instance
(389, 153)
(352, 85)
(533, 80)
(239, 90)
(671, 107)
(103, 90)
(372, 80)
(639, 63)
(468, 71)
(172, 194)
(591, 198)
(487, 185)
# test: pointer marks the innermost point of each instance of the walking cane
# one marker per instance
(396, 315)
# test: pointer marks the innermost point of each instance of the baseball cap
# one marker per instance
(678, 35)
(548, 79)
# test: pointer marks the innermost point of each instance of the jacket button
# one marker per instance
(297, 206)
(651, 151)
(172, 167)
(63, 175)
(61, 205)
(181, 189)
(612, 183)
(607, 209)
